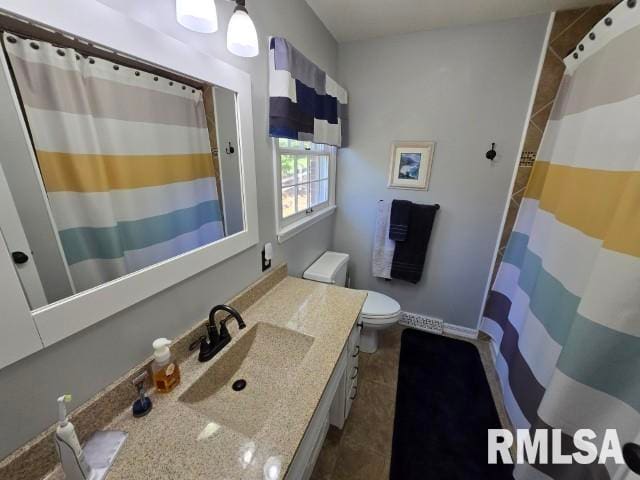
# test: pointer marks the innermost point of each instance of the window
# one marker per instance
(305, 183)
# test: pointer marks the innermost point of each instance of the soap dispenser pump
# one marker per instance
(71, 454)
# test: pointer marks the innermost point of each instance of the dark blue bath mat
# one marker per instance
(443, 411)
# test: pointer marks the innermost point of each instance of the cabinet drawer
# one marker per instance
(354, 338)
(354, 350)
(351, 396)
(351, 381)
(348, 386)
(352, 375)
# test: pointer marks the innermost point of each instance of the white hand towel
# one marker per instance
(383, 246)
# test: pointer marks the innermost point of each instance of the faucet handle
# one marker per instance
(224, 331)
(198, 342)
(214, 336)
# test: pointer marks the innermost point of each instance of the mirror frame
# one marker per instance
(101, 25)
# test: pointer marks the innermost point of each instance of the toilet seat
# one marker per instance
(379, 312)
(380, 323)
(379, 309)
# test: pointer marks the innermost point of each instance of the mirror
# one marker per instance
(109, 165)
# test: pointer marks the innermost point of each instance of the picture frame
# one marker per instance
(410, 165)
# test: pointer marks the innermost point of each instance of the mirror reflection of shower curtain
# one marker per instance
(124, 156)
(564, 310)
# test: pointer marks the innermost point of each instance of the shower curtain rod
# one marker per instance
(29, 29)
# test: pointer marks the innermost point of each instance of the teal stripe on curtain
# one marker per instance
(592, 354)
(516, 248)
(550, 301)
(111, 242)
(604, 359)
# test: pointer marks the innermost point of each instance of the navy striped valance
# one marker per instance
(304, 102)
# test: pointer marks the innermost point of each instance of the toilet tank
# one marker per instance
(331, 267)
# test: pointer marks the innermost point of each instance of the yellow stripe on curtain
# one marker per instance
(536, 179)
(585, 198)
(101, 173)
(624, 232)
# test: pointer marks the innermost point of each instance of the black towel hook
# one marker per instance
(491, 154)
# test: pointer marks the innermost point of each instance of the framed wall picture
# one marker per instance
(410, 165)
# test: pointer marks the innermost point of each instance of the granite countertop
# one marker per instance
(177, 441)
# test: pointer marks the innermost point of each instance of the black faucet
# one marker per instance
(233, 313)
(217, 340)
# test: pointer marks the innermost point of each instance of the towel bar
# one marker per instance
(437, 205)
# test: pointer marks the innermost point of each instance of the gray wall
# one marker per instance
(463, 88)
(91, 359)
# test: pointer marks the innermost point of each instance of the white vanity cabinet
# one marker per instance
(333, 409)
(348, 389)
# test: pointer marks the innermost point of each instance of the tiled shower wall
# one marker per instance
(569, 27)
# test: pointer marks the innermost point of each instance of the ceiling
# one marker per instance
(350, 20)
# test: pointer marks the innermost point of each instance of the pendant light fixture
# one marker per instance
(242, 38)
(197, 15)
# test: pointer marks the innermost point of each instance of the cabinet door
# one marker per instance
(16, 240)
(305, 458)
(18, 334)
(315, 453)
(336, 415)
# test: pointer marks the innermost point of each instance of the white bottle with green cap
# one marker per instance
(71, 455)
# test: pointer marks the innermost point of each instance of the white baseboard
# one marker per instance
(436, 325)
(451, 329)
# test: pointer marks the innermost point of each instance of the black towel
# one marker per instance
(408, 258)
(399, 220)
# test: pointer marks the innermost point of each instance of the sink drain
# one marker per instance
(239, 384)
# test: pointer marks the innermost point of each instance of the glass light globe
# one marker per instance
(197, 15)
(242, 38)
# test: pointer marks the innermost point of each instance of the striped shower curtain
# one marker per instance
(124, 157)
(564, 311)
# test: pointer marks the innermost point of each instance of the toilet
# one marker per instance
(378, 312)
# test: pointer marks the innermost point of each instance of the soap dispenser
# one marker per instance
(71, 454)
(164, 369)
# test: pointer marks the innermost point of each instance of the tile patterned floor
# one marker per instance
(362, 450)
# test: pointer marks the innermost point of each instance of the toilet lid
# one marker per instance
(379, 305)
